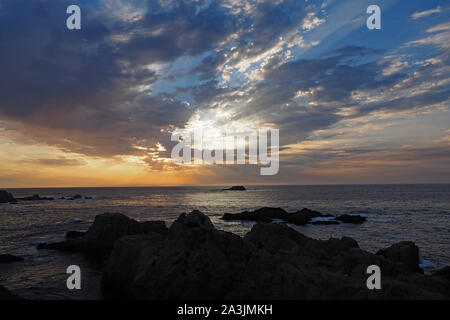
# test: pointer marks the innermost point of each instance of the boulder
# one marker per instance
(346, 218)
(7, 258)
(6, 197)
(5, 294)
(405, 252)
(74, 234)
(106, 229)
(443, 273)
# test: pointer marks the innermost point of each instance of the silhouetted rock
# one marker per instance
(444, 273)
(405, 252)
(6, 197)
(351, 218)
(237, 188)
(265, 214)
(273, 261)
(106, 229)
(5, 294)
(35, 197)
(268, 214)
(325, 222)
(7, 258)
(193, 260)
(74, 234)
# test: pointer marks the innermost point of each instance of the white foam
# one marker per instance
(322, 219)
(423, 263)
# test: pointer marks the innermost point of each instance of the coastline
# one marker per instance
(193, 260)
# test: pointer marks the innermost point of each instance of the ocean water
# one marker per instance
(419, 213)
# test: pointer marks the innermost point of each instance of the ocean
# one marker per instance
(419, 213)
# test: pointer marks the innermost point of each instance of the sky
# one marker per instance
(97, 106)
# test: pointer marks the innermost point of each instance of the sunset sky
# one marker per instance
(96, 106)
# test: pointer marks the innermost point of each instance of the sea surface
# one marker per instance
(419, 213)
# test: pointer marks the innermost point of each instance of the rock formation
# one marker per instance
(6, 197)
(106, 229)
(268, 214)
(7, 258)
(196, 261)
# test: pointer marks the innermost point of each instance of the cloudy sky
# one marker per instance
(96, 106)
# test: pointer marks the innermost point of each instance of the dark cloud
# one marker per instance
(92, 91)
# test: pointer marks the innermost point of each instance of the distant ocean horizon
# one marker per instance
(395, 212)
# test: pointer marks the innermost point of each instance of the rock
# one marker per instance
(154, 226)
(346, 218)
(74, 234)
(273, 261)
(5, 294)
(444, 273)
(237, 188)
(193, 261)
(405, 252)
(265, 214)
(7, 258)
(35, 197)
(6, 197)
(106, 229)
(325, 222)
(268, 214)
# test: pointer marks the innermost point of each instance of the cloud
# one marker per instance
(57, 162)
(421, 14)
(138, 69)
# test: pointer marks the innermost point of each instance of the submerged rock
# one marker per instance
(7, 258)
(35, 197)
(351, 218)
(236, 188)
(6, 197)
(196, 261)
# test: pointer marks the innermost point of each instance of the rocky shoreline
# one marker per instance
(6, 197)
(194, 260)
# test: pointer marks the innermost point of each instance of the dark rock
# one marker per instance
(5, 294)
(351, 218)
(74, 234)
(268, 214)
(6, 197)
(7, 258)
(273, 261)
(106, 229)
(35, 197)
(154, 226)
(265, 214)
(444, 273)
(405, 252)
(237, 188)
(325, 222)
(193, 261)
